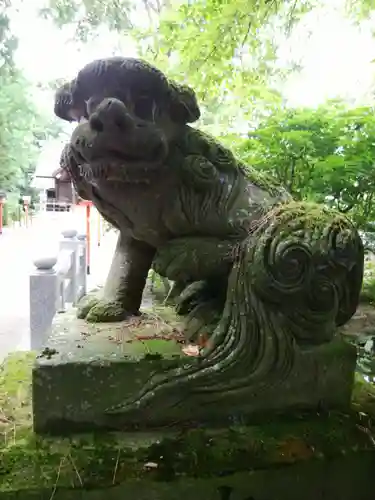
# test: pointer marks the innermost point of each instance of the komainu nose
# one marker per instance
(96, 123)
(80, 142)
(111, 113)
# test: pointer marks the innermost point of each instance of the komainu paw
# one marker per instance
(95, 308)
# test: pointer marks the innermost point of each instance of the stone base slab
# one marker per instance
(341, 479)
(85, 369)
(305, 457)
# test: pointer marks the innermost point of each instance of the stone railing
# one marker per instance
(57, 282)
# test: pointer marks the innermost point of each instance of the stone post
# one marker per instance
(71, 242)
(82, 266)
(44, 298)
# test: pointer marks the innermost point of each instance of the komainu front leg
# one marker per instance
(199, 267)
(121, 296)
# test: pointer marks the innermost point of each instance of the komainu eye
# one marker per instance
(144, 108)
(92, 105)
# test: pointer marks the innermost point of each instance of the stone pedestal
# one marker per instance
(86, 369)
(305, 457)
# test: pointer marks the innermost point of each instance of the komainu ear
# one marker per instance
(183, 106)
(63, 102)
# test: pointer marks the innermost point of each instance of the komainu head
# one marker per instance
(129, 109)
(143, 89)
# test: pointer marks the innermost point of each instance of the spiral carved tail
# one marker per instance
(307, 262)
(295, 278)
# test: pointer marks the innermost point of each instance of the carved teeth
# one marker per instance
(98, 172)
(86, 171)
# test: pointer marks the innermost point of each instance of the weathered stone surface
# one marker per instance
(272, 278)
(86, 369)
(305, 457)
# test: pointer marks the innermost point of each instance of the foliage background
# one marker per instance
(23, 129)
(230, 53)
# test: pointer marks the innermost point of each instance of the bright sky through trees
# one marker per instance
(336, 57)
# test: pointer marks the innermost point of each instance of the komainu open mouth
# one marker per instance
(151, 155)
(118, 166)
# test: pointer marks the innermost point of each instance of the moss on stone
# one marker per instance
(157, 329)
(96, 309)
(91, 460)
(106, 311)
(86, 303)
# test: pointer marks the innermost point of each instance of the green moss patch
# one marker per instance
(90, 460)
(156, 331)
